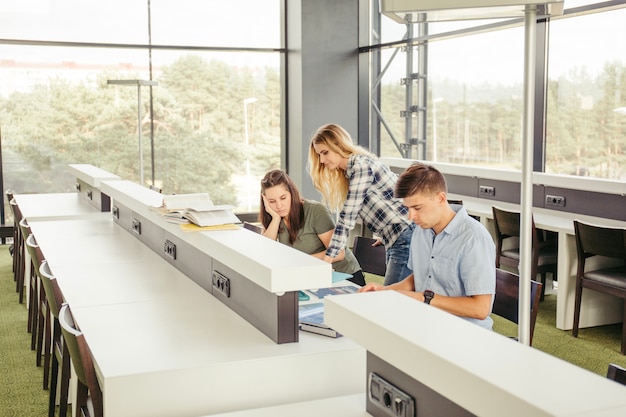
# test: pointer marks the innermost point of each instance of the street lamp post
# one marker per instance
(246, 134)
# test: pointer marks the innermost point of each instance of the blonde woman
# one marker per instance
(356, 184)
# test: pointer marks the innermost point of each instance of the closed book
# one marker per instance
(312, 320)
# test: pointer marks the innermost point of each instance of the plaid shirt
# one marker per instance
(370, 197)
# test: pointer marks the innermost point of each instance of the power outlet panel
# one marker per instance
(390, 399)
(555, 200)
(486, 191)
(135, 225)
(221, 284)
(116, 212)
(170, 249)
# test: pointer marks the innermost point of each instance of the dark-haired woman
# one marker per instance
(303, 224)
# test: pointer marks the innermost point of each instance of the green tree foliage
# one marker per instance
(198, 128)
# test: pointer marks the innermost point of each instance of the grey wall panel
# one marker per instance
(462, 185)
(609, 206)
(428, 403)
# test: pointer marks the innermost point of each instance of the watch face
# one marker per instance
(428, 295)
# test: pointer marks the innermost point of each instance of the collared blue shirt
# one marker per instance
(370, 196)
(459, 261)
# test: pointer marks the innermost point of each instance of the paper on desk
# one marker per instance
(190, 227)
(340, 276)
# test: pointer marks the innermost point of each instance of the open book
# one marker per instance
(198, 209)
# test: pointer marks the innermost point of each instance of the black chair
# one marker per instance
(371, 258)
(507, 234)
(18, 251)
(35, 255)
(616, 373)
(88, 391)
(606, 242)
(55, 344)
(41, 330)
(506, 303)
(252, 227)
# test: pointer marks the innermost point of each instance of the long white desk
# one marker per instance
(597, 308)
(482, 372)
(163, 346)
(49, 206)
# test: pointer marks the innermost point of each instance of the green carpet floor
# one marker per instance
(21, 381)
(21, 393)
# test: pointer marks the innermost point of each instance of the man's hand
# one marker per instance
(372, 286)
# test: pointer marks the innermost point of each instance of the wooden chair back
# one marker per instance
(506, 303)
(87, 386)
(616, 373)
(371, 258)
(608, 242)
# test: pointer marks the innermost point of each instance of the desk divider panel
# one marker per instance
(268, 300)
(88, 180)
(276, 316)
(380, 398)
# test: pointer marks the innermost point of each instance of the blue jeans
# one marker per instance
(398, 257)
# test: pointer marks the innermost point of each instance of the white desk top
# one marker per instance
(346, 406)
(546, 219)
(51, 206)
(467, 363)
(165, 347)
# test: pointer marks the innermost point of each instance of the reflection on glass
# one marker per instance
(586, 130)
(476, 84)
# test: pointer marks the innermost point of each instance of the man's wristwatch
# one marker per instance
(428, 295)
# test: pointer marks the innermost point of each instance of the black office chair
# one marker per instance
(607, 242)
(506, 303)
(616, 373)
(507, 231)
(371, 258)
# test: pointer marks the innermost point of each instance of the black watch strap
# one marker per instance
(428, 296)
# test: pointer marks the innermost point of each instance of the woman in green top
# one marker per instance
(305, 225)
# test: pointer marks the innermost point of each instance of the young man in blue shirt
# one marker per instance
(452, 256)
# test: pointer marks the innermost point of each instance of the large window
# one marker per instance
(216, 106)
(586, 123)
(473, 94)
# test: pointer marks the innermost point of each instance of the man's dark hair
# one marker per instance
(420, 178)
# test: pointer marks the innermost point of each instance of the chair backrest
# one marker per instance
(616, 373)
(24, 227)
(34, 251)
(51, 288)
(252, 227)
(594, 240)
(81, 356)
(371, 258)
(506, 303)
(458, 202)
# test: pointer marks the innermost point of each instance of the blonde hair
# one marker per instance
(332, 184)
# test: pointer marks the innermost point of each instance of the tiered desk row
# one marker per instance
(169, 338)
